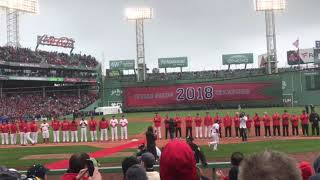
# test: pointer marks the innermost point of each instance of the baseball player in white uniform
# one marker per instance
(114, 129)
(44, 127)
(83, 127)
(215, 136)
(124, 127)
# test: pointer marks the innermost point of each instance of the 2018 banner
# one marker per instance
(197, 94)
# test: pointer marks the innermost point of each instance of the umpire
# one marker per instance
(314, 119)
(198, 154)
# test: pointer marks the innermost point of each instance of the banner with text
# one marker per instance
(173, 62)
(302, 56)
(246, 58)
(121, 64)
(199, 94)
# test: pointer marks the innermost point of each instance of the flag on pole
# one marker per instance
(296, 43)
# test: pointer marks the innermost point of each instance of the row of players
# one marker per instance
(29, 131)
(228, 122)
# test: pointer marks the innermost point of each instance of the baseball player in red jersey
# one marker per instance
(5, 132)
(267, 120)
(74, 131)
(276, 124)
(93, 129)
(34, 131)
(65, 127)
(13, 132)
(55, 124)
(21, 133)
(285, 123)
(295, 124)
(257, 124)
(103, 127)
(236, 121)
(227, 123)
(27, 130)
(304, 117)
(178, 122)
(218, 119)
(188, 121)
(198, 122)
(157, 124)
(207, 125)
(249, 125)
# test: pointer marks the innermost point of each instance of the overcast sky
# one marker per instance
(202, 30)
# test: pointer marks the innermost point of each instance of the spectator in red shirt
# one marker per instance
(305, 123)
(227, 125)
(249, 125)
(13, 132)
(34, 131)
(218, 119)
(276, 124)
(285, 123)
(103, 127)
(65, 127)
(178, 122)
(236, 121)
(188, 121)
(74, 131)
(295, 124)
(166, 124)
(256, 120)
(198, 122)
(55, 124)
(266, 121)
(93, 129)
(5, 132)
(157, 124)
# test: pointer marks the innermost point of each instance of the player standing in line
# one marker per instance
(21, 133)
(83, 126)
(13, 132)
(243, 126)
(166, 125)
(44, 128)
(215, 136)
(276, 124)
(314, 119)
(188, 121)
(249, 125)
(236, 121)
(218, 119)
(285, 123)
(65, 127)
(178, 122)
(227, 123)
(157, 124)
(123, 128)
(93, 129)
(198, 122)
(304, 123)
(34, 131)
(74, 131)
(256, 120)
(266, 120)
(55, 124)
(26, 130)
(114, 128)
(103, 127)
(295, 124)
(5, 132)
(206, 124)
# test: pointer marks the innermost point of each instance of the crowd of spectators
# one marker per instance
(36, 105)
(25, 55)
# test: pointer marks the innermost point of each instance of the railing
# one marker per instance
(118, 169)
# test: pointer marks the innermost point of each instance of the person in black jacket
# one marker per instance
(198, 154)
(166, 125)
(172, 127)
(316, 166)
(151, 137)
(314, 119)
(236, 159)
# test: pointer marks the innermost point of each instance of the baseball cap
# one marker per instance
(148, 159)
(37, 170)
(190, 138)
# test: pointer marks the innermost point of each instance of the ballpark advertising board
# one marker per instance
(203, 93)
(317, 56)
(302, 56)
(121, 64)
(173, 62)
(246, 58)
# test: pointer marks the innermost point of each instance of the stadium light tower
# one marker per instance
(269, 7)
(14, 8)
(139, 15)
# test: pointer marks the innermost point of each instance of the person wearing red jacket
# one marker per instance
(21, 133)
(157, 124)
(65, 127)
(103, 127)
(198, 122)
(227, 123)
(208, 122)
(178, 122)
(74, 131)
(295, 124)
(256, 120)
(13, 132)
(4, 132)
(93, 129)
(27, 130)
(34, 131)
(236, 121)
(166, 125)
(276, 124)
(304, 117)
(266, 121)
(188, 121)
(55, 124)
(249, 125)
(285, 123)
(218, 119)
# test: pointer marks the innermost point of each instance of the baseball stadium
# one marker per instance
(67, 113)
